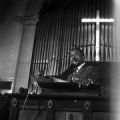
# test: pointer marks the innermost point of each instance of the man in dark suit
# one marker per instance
(79, 71)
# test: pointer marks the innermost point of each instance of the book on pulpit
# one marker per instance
(69, 88)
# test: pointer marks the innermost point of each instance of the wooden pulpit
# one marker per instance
(83, 104)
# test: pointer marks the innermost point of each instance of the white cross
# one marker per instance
(97, 20)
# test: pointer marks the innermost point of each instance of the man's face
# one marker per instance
(76, 57)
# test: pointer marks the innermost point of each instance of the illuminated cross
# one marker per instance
(97, 20)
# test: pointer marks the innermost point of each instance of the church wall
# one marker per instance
(11, 30)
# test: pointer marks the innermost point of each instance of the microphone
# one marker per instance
(75, 61)
(39, 74)
(42, 72)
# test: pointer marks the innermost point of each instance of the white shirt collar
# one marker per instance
(80, 66)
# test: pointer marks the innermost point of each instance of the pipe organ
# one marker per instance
(60, 30)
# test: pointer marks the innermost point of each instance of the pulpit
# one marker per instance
(67, 101)
(83, 104)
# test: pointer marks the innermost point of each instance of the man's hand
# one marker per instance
(87, 82)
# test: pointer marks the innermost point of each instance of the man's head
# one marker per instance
(77, 56)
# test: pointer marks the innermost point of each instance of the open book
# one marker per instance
(59, 80)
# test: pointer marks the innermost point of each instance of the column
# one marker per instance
(22, 73)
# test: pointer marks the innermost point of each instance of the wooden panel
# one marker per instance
(45, 106)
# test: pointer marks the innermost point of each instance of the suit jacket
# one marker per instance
(83, 75)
